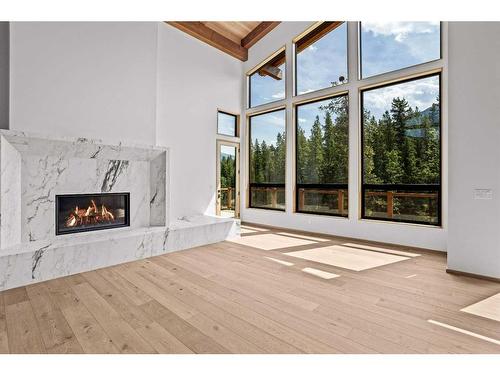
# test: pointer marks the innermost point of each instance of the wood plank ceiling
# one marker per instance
(231, 37)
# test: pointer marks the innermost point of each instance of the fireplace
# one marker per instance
(87, 212)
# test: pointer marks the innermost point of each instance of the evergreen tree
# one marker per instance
(302, 156)
(328, 166)
(314, 161)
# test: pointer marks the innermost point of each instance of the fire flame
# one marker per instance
(90, 215)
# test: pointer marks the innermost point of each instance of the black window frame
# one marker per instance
(336, 186)
(259, 184)
(360, 55)
(409, 187)
(295, 53)
(236, 124)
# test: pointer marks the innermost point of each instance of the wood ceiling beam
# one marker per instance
(207, 35)
(258, 33)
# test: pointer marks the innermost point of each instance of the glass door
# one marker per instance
(228, 179)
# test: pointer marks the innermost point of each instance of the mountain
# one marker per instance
(414, 125)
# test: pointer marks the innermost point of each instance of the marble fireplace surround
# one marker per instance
(35, 168)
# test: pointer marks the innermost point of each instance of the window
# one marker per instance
(227, 124)
(322, 152)
(401, 158)
(267, 160)
(321, 58)
(267, 83)
(389, 46)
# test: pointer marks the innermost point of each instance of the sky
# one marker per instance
(420, 93)
(267, 126)
(323, 62)
(226, 124)
(386, 46)
(307, 113)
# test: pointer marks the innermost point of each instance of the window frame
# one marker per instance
(396, 71)
(254, 71)
(236, 124)
(249, 160)
(296, 156)
(362, 184)
(352, 88)
(295, 65)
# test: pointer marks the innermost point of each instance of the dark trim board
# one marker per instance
(473, 275)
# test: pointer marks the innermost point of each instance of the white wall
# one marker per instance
(194, 79)
(84, 79)
(397, 233)
(474, 102)
(4, 75)
(129, 81)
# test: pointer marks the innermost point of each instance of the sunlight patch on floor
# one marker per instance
(250, 229)
(487, 308)
(464, 331)
(270, 241)
(311, 238)
(280, 261)
(347, 257)
(382, 250)
(320, 273)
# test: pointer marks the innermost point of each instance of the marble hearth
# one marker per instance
(34, 169)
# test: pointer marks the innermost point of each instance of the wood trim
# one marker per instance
(271, 59)
(474, 275)
(315, 34)
(258, 33)
(200, 31)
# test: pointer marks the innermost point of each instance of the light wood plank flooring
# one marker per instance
(235, 298)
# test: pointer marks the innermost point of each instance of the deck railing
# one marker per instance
(391, 192)
(273, 189)
(333, 190)
(412, 191)
(226, 198)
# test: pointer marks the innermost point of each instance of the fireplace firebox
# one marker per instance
(88, 212)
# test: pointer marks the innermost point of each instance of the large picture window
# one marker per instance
(401, 151)
(267, 156)
(267, 82)
(321, 57)
(322, 152)
(389, 46)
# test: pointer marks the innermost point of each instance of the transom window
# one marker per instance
(401, 157)
(227, 124)
(321, 57)
(267, 83)
(322, 151)
(389, 46)
(267, 145)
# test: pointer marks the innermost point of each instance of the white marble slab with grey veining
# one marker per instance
(35, 168)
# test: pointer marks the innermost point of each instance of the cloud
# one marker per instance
(302, 120)
(278, 95)
(399, 30)
(421, 93)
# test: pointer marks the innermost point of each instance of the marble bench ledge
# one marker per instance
(81, 238)
(34, 262)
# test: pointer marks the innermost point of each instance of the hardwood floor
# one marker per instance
(234, 298)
